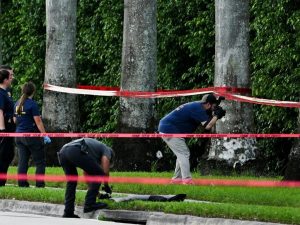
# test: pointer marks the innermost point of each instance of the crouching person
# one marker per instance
(95, 159)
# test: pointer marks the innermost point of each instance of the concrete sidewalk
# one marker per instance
(140, 217)
(14, 218)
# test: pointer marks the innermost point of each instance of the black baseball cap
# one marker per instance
(209, 98)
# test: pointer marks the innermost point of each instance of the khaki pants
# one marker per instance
(182, 152)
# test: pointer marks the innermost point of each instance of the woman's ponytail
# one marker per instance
(28, 89)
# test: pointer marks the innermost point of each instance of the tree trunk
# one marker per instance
(232, 69)
(138, 74)
(292, 171)
(60, 111)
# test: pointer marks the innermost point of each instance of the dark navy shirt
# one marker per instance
(95, 148)
(6, 104)
(25, 121)
(184, 119)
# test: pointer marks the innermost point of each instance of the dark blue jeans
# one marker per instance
(70, 158)
(31, 146)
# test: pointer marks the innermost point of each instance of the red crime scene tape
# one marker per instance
(228, 92)
(150, 180)
(147, 135)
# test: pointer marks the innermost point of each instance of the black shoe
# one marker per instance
(24, 186)
(71, 215)
(96, 206)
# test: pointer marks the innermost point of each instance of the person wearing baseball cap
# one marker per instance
(185, 119)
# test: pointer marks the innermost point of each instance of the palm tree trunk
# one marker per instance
(60, 111)
(138, 74)
(232, 69)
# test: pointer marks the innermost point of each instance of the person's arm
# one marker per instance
(2, 122)
(211, 123)
(219, 112)
(105, 163)
(39, 123)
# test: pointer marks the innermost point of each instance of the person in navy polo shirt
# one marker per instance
(183, 120)
(28, 120)
(6, 120)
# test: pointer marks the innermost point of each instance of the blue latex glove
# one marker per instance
(47, 140)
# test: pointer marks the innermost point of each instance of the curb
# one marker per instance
(160, 218)
(170, 219)
(148, 218)
(40, 208)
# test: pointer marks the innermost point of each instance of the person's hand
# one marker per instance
(219, 112)
(47, 140)
(107, 189)
(104, 196)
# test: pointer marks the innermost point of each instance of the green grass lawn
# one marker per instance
(251, 203)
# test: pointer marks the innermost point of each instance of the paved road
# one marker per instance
(11, 218)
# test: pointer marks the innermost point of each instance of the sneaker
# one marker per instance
(175, 181)
(96, 206)
(71, 215)
(187, 182)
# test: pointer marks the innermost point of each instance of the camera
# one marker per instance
(221, 98)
